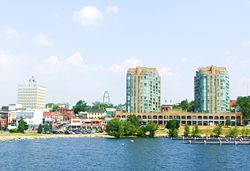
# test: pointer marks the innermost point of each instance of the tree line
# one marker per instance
(130, 127)
(173, 130)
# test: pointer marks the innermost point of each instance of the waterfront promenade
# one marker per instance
(10, 137)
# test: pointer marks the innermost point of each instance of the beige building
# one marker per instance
(143, 90)
(211, 90)
(201, 119)
(31, 96)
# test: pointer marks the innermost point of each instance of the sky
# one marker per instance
(79, 49)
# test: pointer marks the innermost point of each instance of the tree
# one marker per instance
(173, 127)
(173, 124)
(22, 125)
(191, 106)
(115, 127)
(48, 128)
(186, 130)
(151, 127)
(134, 120)
(81, 106)
(99, 106)
(40, 129)
(196, 131)
(119, 107)
(245, 132)
(185, 106)
(217, 130)
(173, 132)
(228, 122)
(233, 132)
(129, 129)
(244, 105)
(52, 106)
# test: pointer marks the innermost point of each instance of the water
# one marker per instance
(120, 154)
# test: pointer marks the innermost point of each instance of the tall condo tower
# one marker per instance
(31, 96)
(143, 91)
(211, 90)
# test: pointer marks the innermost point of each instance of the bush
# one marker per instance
(173, 132)
(196, 131)
(186, 130)
(233, 132)
(13, 130)
(217, 130)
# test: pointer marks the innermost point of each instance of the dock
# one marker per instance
(211, 139)
(218, 142)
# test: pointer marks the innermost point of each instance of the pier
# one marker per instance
(218, 142)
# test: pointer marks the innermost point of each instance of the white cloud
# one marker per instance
(112, 9)
(42, 40)
(9, 32)
(165, 72)
(122, 68)
(75, 59)
(88, 16)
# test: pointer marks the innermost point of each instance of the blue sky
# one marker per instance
(79, 49)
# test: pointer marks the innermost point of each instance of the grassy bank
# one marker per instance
(21, 134)
(204, 130)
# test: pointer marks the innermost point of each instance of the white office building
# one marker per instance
(32, 117)
(31, 96)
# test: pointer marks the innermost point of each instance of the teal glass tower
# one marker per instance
(143, 91)
(211, 90)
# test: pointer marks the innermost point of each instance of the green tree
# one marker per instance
(134, 120)
(244, 105)
(115, 127)
(191, 106)
(48, 128)
(40, 129)
(151, 127)
(173, 126)
(119, 107)
(196, 131)
(184, 105)
(228, 122)
(81, 106)
(233, 132)
(186, 130)
(22, 125)
(129, 128)
(99, 106)
(217, 130)
(52, 106)
(173, 132)
(245, 132)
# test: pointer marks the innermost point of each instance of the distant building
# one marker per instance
(93, 114)
(211, 90)
(3, 120)
(143, 91)
(32, 117)
(167, 106)
(233, 105)
(31, 96)
(110, 111)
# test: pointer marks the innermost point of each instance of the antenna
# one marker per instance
(32, 81)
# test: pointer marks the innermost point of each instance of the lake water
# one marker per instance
(120, 154)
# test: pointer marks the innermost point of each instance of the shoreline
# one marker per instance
(55, 136)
